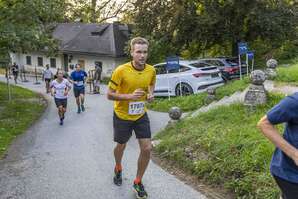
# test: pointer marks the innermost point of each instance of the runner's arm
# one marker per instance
(150, 96)
(272, 134)
(112, 95)
(52, 89)
(68, 86)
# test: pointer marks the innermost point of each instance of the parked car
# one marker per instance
(229, 67)
(191, 77)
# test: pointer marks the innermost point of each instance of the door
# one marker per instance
(82, 63)
(65, 62)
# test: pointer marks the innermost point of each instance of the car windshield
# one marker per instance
(200, 64)
(234, 61)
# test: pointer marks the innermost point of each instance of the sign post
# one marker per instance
(172, 64)
(36, 80)
(4, 63)
(242, 49)
(250, 56)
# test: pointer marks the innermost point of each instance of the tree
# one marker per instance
(96, 11)
(197, 26)
(27, 25)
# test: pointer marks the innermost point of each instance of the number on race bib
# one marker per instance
(80, 83)
(136, 108)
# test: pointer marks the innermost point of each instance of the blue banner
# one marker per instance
(242, 48)
(172, 63)
(250, 55)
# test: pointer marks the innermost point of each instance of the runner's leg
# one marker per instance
(78, 104)
(60, 111)
(118, 153)
(143, 134)
(82, 98)
(47, 86)
(122, 133)
(144, 157)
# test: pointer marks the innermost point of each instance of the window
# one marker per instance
(160, 69)
(28, 60)
(215, 62)
(53, 63)
(200, 65)
(182, 69)
(39, 61)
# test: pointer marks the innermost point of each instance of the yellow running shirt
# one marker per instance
(125, 80)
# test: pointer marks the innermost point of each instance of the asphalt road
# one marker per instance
(75, 161)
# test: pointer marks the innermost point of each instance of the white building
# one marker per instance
(86, 44)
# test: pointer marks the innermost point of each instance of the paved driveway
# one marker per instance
(75, 161)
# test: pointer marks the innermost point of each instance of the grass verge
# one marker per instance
(2, 71)
(193, 102)
(19, 114)
(216, 148)
(288, 74)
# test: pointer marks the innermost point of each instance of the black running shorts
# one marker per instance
(47, 80)
(289, 189)
(61, 102)
(78, 91)
(123, 128)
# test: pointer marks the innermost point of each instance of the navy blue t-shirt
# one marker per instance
(285, 112)
(79, 77)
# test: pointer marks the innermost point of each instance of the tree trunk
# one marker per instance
(93, 11)
(234, 48)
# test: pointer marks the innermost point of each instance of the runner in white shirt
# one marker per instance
(47, 75)
(59, 89)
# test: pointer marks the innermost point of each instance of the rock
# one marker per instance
(256, 94)
(211, 96)
(175, 113)
(211, 91)
(271, 63)
(270, 73)
(257, 77)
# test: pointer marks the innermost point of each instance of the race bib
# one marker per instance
(80, 83)
(60, 92)
(136, 108)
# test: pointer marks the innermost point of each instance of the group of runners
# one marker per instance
(62, 84)
(131, 87)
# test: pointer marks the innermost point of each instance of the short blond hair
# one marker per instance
(138, 40)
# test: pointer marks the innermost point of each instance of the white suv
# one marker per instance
(194, 76)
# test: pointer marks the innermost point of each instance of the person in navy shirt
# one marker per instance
(78, 78)
(284, 163)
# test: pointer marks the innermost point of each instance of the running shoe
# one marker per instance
(118, 178)
(79, 110)
(83, 107)
(61, 121)
(140, 191)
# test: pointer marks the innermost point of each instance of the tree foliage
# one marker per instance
(195, 27)
(26, 25)
(95, 11)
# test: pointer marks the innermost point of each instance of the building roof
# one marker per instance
(101, 39)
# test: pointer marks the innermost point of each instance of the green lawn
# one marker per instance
(193, 102)
(18, 115)
(288, 74)
(2, 71)
(224, 147)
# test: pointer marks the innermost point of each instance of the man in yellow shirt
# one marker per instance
(131, 86)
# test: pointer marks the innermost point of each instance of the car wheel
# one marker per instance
(186, 89)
